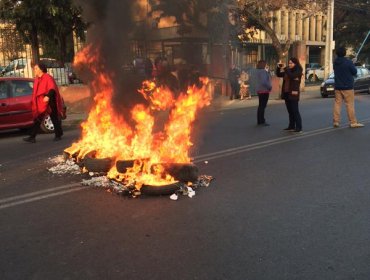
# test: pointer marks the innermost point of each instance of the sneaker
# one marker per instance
(356, 125)
(29, 139)
(335, 125)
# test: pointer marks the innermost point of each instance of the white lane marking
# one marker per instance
(215, 155)
(11, 204)
(263, 144)
(4, 200)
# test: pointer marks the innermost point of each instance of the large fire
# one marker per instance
(107, 134)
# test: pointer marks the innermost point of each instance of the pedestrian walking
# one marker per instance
(290, 92)
(46, 100)
(263, 89)
(344, 73)
(233, 76)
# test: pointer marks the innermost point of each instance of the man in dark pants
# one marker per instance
(46, 99)
(234, 75)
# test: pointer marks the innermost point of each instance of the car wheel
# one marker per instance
(47, 125)
(312, 78)
(324, 95)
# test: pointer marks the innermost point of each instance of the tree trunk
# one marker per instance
(62, 49)
(35, 45)
(281, 49)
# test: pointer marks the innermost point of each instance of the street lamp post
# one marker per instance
(329, 43)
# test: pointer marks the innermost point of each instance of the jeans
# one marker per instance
(262, 103)
(295, 120)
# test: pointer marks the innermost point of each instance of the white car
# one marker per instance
(315, 74)
(21, 67)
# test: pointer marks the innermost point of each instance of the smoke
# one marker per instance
(111, 24)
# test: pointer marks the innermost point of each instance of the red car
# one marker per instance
(15, 105)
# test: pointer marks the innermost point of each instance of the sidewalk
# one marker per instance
(78, 108)
(223, 102)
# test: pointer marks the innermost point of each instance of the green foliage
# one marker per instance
(50, 21)
(351, 25)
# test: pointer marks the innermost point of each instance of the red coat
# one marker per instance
(41, 88)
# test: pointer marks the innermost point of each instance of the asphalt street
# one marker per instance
(282, 206)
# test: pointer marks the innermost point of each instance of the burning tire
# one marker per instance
(98, 164)
(160, 190)
(183, 172)
(122, 165)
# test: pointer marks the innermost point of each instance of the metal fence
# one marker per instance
(16, 58)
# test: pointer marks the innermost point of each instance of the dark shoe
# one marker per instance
(289, 129)
(57, 138)
(29, 139)
(263, 124)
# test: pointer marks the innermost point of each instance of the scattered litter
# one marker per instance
(206, 161)
(124, 188)
(64, 167)
(56, 159)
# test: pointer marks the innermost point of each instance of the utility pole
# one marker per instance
(329, 43)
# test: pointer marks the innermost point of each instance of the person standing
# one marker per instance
(233, 76)
(263, 89)
(290, 91)
(46, 100)
(244, 87)
(344, 73)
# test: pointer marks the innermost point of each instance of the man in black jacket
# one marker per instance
(344, 73)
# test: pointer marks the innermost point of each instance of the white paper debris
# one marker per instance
(67, 167)
(174, 197)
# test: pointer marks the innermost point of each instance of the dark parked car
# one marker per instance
(15, 105)
(362, 83)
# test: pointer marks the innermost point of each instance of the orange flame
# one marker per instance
(107, 133)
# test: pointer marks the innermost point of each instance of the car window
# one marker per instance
(20, 66)
(21, 88)
(10, 67)
(50, 63)
(331, 76)
(365, 72)
(3, 90)
(359, 73)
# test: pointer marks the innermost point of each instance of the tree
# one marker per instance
(64, 18)
(255, 14)
(35, 19)
(249, 16)
(11, 44)
(349, 28)
(27, 17)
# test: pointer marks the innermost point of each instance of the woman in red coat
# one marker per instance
(46, 100)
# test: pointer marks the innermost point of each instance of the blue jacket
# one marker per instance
(344, 73)
(263, 81)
